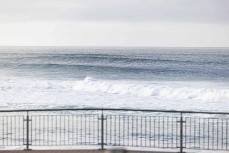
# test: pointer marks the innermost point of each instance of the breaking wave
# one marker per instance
(160, 90)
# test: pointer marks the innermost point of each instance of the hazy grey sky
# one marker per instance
(187, 23)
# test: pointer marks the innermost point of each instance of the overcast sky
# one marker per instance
(160, 23)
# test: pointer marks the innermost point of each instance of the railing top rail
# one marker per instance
(116, 109)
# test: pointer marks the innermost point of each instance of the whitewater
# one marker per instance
(149, 78)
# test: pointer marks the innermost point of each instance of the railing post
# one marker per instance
(27, 131)
(181, 133)
(102, 131)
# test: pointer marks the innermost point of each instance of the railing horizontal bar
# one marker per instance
(116, 109)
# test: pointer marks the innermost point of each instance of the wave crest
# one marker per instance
(158, 90)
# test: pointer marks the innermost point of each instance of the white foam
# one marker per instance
(22, 93)
(160, 90)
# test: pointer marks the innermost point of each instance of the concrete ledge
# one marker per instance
(75, 151)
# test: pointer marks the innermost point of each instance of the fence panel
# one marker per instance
(206, 133)
(65, 130)
(12, 130)
(142, 131)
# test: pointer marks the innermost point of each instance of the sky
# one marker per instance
(154, 23)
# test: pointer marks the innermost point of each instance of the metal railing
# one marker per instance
(115, 127)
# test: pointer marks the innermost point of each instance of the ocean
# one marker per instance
(114, 77)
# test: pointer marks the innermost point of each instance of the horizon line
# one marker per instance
(115, 46)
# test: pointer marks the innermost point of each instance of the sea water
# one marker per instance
(114, 77)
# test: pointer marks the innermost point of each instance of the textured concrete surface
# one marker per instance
(77, 151)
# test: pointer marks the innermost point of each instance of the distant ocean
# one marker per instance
(149, 78)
